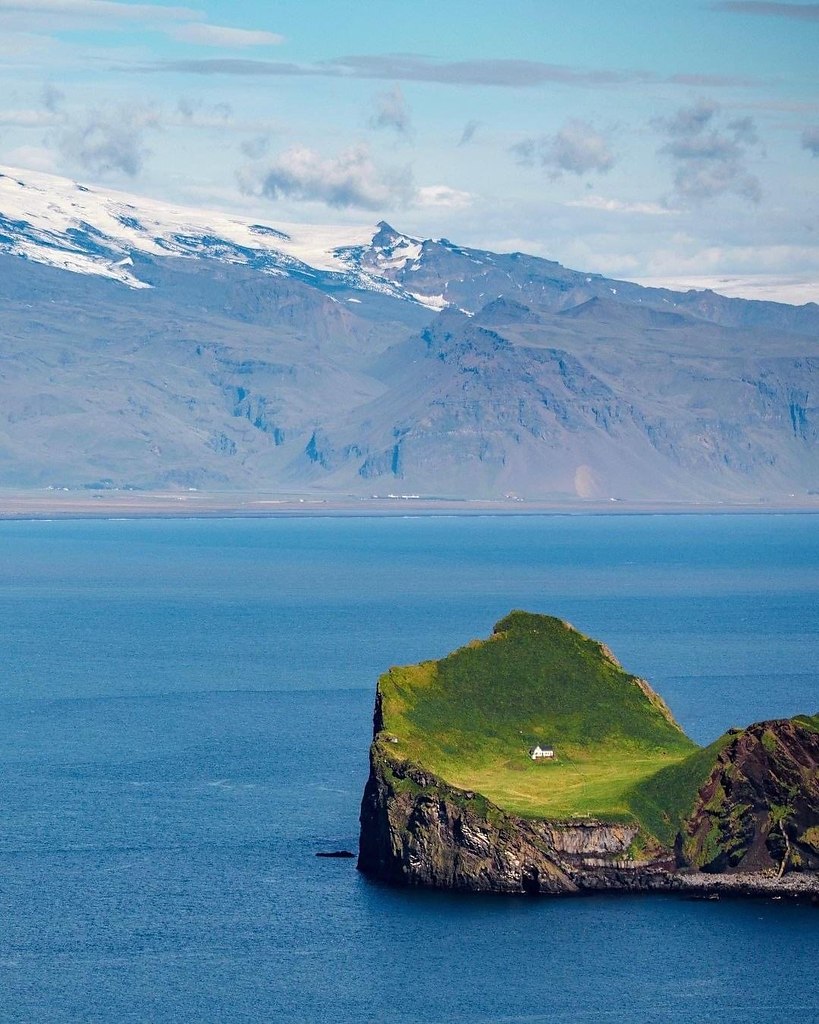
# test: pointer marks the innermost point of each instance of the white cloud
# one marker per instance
(197, 114)
(391, 111)
(442, 196)
(709, 156)
(767, 287)
(350, 179)
(619, 206)
(34, 157)
(257, 147)
(28, 48)
(219, 35)
(29, 118)
(577, 148)
(108, 139)
(747, 258)
(186, 24)
(107, 9)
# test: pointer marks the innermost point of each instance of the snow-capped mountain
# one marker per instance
(144, 345)
(88, 230)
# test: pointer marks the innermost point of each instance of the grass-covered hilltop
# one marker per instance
(473, 717)
(622, 798)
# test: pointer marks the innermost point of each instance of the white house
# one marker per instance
(537, 753)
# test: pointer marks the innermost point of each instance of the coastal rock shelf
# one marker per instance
(455, 801)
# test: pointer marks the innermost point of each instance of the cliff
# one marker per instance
(416, 830)
(748, 803)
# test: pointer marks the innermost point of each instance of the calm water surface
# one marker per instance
(184, 718)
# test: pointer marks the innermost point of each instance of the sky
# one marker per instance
(675, 142)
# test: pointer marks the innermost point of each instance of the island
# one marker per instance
(532, 762)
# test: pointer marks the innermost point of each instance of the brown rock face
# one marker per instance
(759, 809)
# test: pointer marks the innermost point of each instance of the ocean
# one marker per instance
(185, 711)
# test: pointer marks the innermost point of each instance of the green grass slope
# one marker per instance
(472, 717)
(662, 800)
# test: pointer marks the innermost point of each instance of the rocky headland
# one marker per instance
(738, 817)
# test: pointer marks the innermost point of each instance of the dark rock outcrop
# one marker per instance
(759, 808)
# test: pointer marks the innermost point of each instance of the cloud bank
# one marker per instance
(185, 24)
(103, 9)
(497, 73)
(801, 12)
(219, 35)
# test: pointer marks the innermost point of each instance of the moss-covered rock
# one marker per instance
(758, 809)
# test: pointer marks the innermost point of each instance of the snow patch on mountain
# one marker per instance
(437, 302)
(88, 230)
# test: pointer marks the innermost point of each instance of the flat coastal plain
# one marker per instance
(59, 504)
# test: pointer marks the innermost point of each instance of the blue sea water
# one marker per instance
(185, 710)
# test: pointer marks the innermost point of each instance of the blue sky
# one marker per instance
(672, 141)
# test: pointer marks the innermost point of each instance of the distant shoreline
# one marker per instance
(28, 506)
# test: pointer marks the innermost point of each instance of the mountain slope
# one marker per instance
(148, 346)
(748, 802)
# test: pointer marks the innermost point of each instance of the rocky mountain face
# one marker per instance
(145, 346)
(759, 808)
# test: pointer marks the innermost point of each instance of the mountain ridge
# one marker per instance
(165, 355)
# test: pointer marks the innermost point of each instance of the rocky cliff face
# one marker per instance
(759, 808)
(417, 830)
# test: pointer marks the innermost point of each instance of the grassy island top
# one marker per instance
(472, 717)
